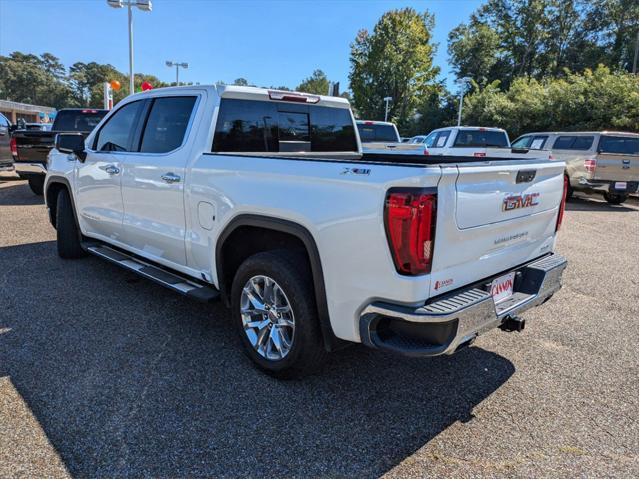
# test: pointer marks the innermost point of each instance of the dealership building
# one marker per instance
(29, 113)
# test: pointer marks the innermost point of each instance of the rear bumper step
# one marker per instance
(455, 320)
(171, 280)
(30, 168)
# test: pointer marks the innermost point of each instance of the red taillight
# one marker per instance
(562, 206)
(13, 146)
(426, 152)
(591, 166)
(410, 216)
(369, 123)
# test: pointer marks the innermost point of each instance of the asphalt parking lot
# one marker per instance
(103, 374)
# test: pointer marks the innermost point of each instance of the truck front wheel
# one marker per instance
(615, 198)
(36, 184)
(274, 311)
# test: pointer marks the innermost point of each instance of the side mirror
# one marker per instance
(71, 143)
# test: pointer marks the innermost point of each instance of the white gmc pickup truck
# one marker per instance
(264, 199)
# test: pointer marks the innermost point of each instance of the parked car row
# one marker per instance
(603, 162)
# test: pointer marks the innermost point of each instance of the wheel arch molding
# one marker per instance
(292, 229)
(52, 186)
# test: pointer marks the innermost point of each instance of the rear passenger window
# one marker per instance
(117, 133)
(573, 143)
(583, 143)
(564, 142)
(261, 126)
(166, 124)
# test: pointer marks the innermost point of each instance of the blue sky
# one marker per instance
(266, 42)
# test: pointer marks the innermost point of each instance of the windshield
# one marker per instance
(78, 120)
(481, 138)
(377, 132)
(620, 145)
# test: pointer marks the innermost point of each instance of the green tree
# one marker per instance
(614, 24)
(87, 80)
(475, 51)
(395, 60)
(317, 83)
(34, 79)
(593, 100)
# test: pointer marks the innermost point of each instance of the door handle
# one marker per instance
(171, 178)
(111, 169)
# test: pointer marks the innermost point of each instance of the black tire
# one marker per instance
(68, 234)
(36, 184)
(569, 192)
(292, 274)
(615, 198)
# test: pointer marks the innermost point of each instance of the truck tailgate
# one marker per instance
(34, 147)
(613, 167)
(505, 215)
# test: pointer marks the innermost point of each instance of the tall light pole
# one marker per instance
(177, 66)
(387, 100)
(463, 83)
(145, 6)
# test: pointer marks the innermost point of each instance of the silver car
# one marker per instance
(606, 162)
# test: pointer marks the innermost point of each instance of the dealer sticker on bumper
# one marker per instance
(502, 287)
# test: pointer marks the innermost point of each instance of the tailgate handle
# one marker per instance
(526, 176)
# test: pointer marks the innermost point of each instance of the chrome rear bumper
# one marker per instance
(30, 168)
(456, 319)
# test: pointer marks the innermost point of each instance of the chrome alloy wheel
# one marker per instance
(267, 317)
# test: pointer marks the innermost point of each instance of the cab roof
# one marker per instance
(254, 93)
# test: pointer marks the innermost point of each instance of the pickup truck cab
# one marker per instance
(30, 146)
(264, 199)
(475, 141)
(605, 162)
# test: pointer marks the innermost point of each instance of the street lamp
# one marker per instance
(145, 6)
(387, 100)
(177, 66)
(463, 83)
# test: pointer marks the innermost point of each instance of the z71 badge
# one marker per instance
(513, 202)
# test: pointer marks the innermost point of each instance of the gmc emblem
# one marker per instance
(513, 202)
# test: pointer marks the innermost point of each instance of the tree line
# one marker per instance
(532, 65)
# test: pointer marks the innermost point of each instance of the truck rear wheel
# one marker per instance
(275, 313)
(36, 184)
(68, 234)
(615, 198)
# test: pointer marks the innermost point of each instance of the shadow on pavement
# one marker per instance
(130, 380)
(587, 203)
(17, 192)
